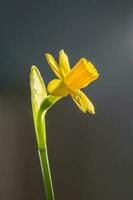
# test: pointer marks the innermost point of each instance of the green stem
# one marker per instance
(42, 146)
(43, 155)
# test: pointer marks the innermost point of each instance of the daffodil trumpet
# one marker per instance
(69, 82)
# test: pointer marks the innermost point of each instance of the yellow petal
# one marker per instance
(83, 102)
(78, 102)
(57, 87)
(82, 74)
(63, 63)
(53, 64)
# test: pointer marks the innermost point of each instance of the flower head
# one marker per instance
(71, 81)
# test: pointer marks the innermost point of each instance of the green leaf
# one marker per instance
(38, 90)
(38, 94)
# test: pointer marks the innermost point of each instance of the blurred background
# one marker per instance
(91, 157)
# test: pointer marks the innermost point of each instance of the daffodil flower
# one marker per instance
(70, 81)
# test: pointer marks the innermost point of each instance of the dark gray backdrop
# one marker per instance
(91, 157)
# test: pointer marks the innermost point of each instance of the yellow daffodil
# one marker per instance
(70, 81)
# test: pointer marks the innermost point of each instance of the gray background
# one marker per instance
(91, 157)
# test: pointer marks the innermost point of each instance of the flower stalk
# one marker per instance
(42, 145)
(43, 155)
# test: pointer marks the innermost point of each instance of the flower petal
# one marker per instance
(82, 74)
(83, 102)
(53, 64)
(57, 87)
(63, 63)
(78, 102)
